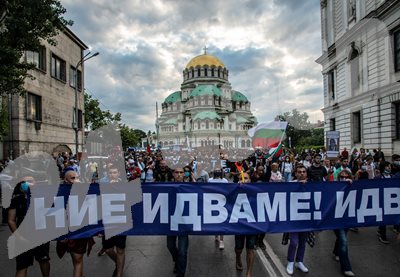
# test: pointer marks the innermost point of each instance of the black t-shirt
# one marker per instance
(19, 203)
(317, 173)
(235, 169)
(163, 176)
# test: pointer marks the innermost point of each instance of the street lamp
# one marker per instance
(75, 124)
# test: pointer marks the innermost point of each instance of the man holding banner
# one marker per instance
(240, 240)
(297, 246)
(179, 254)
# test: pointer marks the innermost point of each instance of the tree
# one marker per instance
(24, 24)
(300, 129)
(95, 117)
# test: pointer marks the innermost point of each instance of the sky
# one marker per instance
(268, 46)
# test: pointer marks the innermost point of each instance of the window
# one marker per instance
(58, 68)
(397, 50)
(207, 125)
(205, 71)
(212, 72)
(198, 72)
(397, 119)
(37, 57)
(331, 84)
(72, 78)
(356, 128)
(332, 124)
(354, 69)
(80, 118)
(33, 107)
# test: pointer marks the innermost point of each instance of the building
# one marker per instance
(361, 72)
(43, 119)
(206, 111)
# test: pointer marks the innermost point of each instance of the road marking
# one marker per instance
(275, 259)
(266, 263)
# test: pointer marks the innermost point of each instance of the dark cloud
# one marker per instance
(145, 45)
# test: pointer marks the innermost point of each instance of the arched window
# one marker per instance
(202, 143)
(248, 143)
(171, 142)
(212, 72)
(198, 125)
(243, 144)
(161, 144)
(205, 71)
(207, 125)
(219, 73)
(192, 72)
(354, 60)
(198, 72)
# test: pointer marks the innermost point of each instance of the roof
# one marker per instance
(173, 97)
(206, 90)
(205, 59)
(239, 97)
(241, 119)
(172, 121)
(206, 114)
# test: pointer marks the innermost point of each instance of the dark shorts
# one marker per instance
(40, 253)
(117, 241)
(250, 241)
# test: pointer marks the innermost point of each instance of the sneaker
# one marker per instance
(383, 240)
(301, 266)
(217, 238)
(221, 245)
(262, 245)
(336, 258)
(289, 268)
(349, 273)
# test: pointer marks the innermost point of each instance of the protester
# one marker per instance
(76, 247)
(297, 246)
(115, 246)
(218, 177)
(241, 239)
(178, 253)
(16, 214)
(340, 250)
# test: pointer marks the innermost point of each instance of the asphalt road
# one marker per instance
(148, 256)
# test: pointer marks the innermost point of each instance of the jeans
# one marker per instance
(341, 249)
(297, 242)
(179, 254)
(287, 176)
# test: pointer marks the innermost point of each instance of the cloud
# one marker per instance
(269, 48)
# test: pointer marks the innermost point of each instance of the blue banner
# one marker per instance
(217, 208)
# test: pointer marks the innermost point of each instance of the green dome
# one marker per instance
(239, 97)
(207, 114)
(206, 90)
(173, 97)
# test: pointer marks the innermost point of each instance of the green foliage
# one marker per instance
(129, 136)
(95, 117)
(316, 137)
(23, 25)
(300, 129)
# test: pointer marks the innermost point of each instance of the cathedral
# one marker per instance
(206, 111)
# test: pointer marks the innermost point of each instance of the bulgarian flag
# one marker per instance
(269, 136)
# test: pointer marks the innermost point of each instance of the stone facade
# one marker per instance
(361, 72)
(206, 111)
(42, 120)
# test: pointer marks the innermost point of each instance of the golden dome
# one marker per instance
(205, 59)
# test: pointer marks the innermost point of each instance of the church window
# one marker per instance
(397, 50)
(212, 72)
(207, 125)
(198, 72)
(248, 143)
(205, 71)
(243, 144)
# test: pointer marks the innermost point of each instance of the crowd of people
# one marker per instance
(213, 166)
